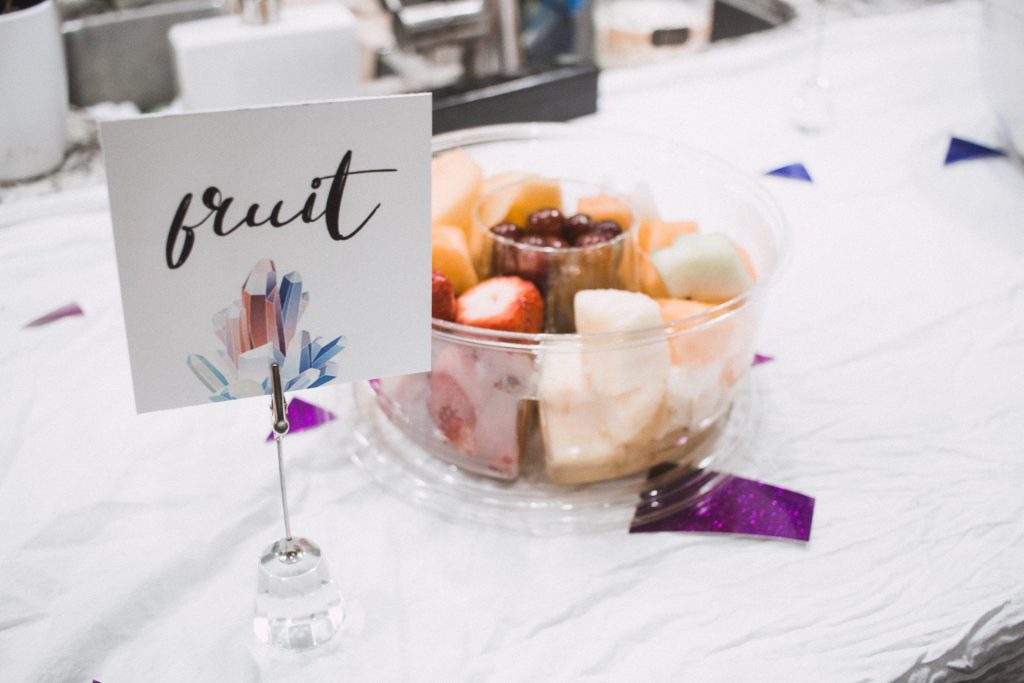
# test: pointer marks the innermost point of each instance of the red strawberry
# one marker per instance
(474, 402)
(443, 302)
(510, 304)
(451, 410)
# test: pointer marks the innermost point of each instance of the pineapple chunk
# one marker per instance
(605, 207)
(600, 404)
(449, 254)
(456, 184)
(514, 196)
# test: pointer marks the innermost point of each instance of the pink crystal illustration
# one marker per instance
(260, 328)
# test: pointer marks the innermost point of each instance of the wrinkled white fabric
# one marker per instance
(130, 542)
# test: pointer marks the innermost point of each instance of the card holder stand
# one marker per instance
(298, 605)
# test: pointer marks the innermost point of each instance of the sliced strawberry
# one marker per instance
(443, 297)
(451, 410)
(474, 401)
(510, 304)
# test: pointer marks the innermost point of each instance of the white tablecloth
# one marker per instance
(130, 542)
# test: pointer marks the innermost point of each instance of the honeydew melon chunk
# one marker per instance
(449, 254)
(456, 184)
(606, 207)
(702, 266)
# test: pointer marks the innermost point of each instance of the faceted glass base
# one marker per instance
(298, 606)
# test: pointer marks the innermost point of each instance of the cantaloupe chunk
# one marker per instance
(650, 281)
(679, 309)
(654, 235)
(711, 342)
(606, 207)
(748, 264)
(514, 196)
(456, 184)
(449, 254)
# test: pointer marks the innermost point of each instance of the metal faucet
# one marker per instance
(486, 31)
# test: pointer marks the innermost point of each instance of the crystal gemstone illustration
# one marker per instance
(260, 328)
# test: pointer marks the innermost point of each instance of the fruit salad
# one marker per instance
(579, 336)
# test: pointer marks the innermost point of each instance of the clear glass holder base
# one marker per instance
(811, 110)
(298, 605)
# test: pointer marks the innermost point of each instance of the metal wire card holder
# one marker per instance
(298, 605)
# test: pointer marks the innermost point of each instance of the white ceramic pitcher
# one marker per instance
(33, 92)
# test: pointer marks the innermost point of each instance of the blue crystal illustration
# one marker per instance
(261, 328)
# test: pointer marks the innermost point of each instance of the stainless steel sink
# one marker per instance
(735, 18)
(124, 56)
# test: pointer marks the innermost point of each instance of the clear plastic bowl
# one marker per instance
(561, 431)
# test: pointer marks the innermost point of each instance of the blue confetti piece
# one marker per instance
(965, 150)
(793, 172)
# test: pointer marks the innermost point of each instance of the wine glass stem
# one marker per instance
(819, 40)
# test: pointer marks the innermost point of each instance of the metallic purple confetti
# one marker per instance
(735, 506)
(793, 172)
(760, 358)
(965, 150)
(303, 416)
(62, 312)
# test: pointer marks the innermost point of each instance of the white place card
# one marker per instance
(297, 234)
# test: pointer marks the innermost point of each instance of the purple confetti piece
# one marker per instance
(965, 150)
(303, 416)
(761, 358)
(793, 172)
(735, 506)
(53, 316)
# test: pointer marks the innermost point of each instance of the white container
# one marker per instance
(311, 53)
(631, 32)
(1002, 65)
(33, 92)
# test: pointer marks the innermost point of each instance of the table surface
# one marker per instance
(895, 399)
